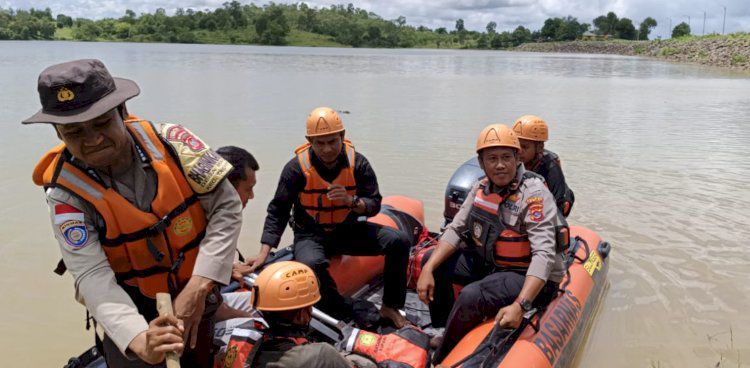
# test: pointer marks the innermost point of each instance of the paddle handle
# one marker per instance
(164, 306)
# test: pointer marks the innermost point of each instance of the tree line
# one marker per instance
(276, 24)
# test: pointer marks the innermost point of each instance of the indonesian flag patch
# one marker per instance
(72, 227)
(65, 212)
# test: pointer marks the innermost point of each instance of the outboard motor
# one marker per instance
(459, 186)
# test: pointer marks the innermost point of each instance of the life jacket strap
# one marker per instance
(155, 252)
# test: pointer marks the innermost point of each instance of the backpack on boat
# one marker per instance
(406, 347)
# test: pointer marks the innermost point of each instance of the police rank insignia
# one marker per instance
(64, 94)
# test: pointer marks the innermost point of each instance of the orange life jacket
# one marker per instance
(407, 347)
(508, 248)
(154, 251)
(246, 341)
(242, 347)
(313, 198)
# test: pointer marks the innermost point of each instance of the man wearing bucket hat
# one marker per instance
(328, 188)
(502, 245)
(137, 209)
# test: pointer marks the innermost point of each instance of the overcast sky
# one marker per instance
(476, 13)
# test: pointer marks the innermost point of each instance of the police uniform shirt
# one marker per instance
(529, 210)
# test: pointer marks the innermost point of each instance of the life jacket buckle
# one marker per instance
(178, 262)
(160, 226)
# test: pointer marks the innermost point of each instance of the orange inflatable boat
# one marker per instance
(553, 337)
(397, 212)
(548, 338)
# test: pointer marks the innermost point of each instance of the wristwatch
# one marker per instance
(355, 201)
(524, 303)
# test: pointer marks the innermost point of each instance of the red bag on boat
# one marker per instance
(425, 243)
(407, 347)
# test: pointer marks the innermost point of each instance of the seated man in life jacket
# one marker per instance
(329, 186)
(532, 132)
(137, 209)
(501, 245)
(284, 293)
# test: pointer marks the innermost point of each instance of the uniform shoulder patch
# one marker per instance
(178, 133)
(75, 233)
(203, 168)
(536, 209)
(70, 221)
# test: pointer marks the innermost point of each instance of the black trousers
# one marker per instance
(485, 291)
(360, 239)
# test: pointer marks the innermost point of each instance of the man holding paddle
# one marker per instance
(137, 209)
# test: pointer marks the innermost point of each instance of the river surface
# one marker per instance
(657, 154)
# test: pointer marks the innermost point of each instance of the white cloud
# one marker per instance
(443, 13)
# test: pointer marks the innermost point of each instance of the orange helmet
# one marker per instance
(497, 135)
(324, 121)
(531, 127)
(285, 285)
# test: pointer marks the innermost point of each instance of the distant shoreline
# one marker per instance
(730, 51)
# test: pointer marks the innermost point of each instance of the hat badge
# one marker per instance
(64, 94)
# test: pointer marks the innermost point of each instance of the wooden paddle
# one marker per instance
(164, 306)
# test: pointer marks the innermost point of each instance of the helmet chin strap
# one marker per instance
(285, 325)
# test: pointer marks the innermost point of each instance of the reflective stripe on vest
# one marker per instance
(242, 347)
(156, 250)
(313, 197)
(510, 249)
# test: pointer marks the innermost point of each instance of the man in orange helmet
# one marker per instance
(501, 245)
(137, 209)
(284, 292)
(532, 132)
(330, 187)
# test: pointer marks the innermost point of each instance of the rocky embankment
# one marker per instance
(732, 51)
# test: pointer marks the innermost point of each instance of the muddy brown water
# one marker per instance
(655, 152)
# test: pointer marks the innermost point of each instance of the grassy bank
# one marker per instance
(301, 38)
(730, 51)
